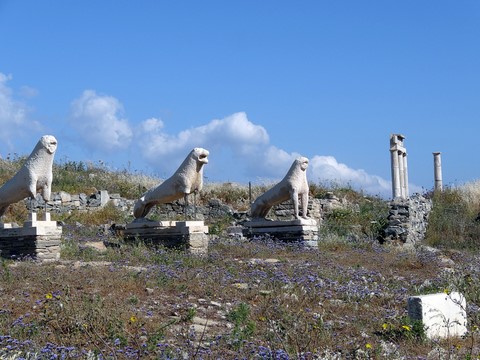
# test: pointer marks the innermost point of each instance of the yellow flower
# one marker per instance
(385, 326)
(49, 296)
(368, 345)
(133, 319)
(406, 327)
(262, 318)
(446, 291)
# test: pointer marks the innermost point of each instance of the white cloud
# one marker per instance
(242, 147)
(327, 168)
(28, 91)
(97, 119)
(235, 132)
(13, 115)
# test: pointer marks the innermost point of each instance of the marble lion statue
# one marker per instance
(35, 175)
(293, 186)
(186, 180)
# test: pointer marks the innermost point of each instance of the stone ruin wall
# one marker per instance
(62, 202)
(407, 218)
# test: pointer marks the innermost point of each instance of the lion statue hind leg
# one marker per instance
(140, 209)
(304, 205)
(3, 210)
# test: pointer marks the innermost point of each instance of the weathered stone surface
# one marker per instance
(63, 202)
(191, 236)
(63, 196)
(302, 230)
(443, 315)
(37, 239)
(398, 155)
(407, 220)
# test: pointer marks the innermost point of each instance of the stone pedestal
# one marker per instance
(36, 239)
(191, 236)
(302, 230)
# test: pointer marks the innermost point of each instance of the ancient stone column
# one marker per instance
(437, 167)
(396, 189)
(405, 176)
(399, 167)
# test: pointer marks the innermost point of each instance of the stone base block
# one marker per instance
(36, 239)
(443, 315)
(191, 236)
(303, 230)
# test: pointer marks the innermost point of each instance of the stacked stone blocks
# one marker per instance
(39, 240)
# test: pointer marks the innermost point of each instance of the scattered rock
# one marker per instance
(215, 303)
(149, 291)
(97, 245)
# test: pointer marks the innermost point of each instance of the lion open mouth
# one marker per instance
(203, 158)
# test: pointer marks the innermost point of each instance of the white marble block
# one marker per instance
(443, 315)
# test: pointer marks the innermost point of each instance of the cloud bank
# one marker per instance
(327, 168)
(97, 120)
(238, 147)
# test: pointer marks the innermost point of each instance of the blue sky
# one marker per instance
(138, 84)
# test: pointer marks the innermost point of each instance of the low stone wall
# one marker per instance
(316, 208)
(407, 220)
(62, 202)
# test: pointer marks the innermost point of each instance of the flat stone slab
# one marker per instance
(443, 315)
(142, 223)
(8, 225)
(180, 226)
(191, 235)
(303, 230)
(264, 223)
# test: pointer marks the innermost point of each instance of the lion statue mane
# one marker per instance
(186, 180)
(35, 175)
(293, 186)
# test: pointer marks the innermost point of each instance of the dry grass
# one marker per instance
(245, 300)
(258, 300)
(470, 193)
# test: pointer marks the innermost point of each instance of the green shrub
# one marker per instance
(363, 218)
(104, 215)
(243, 327)
(79, 177)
